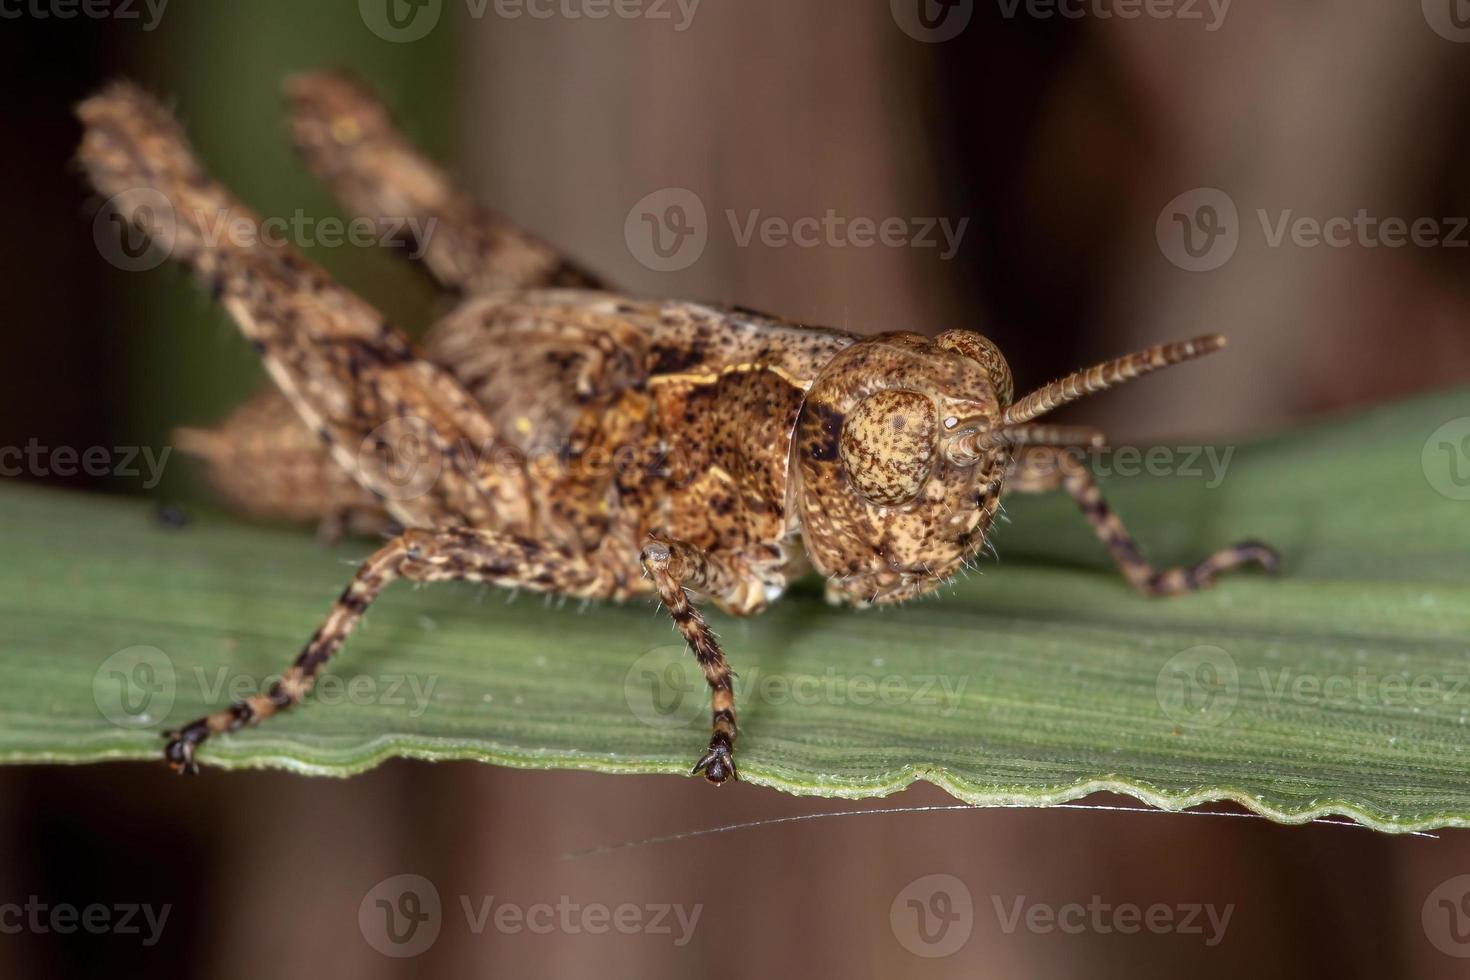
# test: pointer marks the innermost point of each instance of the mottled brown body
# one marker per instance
(556, 436)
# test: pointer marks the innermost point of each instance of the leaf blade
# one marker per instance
(1039, 681)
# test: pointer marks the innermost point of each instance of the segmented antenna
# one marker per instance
(1100, 377)
(972, 445)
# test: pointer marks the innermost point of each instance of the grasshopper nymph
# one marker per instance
(762, 448)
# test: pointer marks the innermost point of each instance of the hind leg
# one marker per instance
(1042, 469)
(419, 556)
(348, 139)
(402, 428)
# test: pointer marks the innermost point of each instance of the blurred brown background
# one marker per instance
(1062, 139)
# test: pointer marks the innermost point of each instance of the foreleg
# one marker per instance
(1041, 469)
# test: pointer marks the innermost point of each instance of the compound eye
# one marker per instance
(983, 351)
(888, 446)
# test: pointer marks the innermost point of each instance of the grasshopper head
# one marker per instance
(903, 443)
(891, 493)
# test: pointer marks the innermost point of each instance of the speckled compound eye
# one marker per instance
(888, 445)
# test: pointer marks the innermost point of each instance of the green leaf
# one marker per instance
(1340, 687)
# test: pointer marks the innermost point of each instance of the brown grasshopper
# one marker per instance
(762, 448)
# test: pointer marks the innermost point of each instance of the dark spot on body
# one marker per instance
(673, 360)
(352, 601)
(569, 275)
(824, 446)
